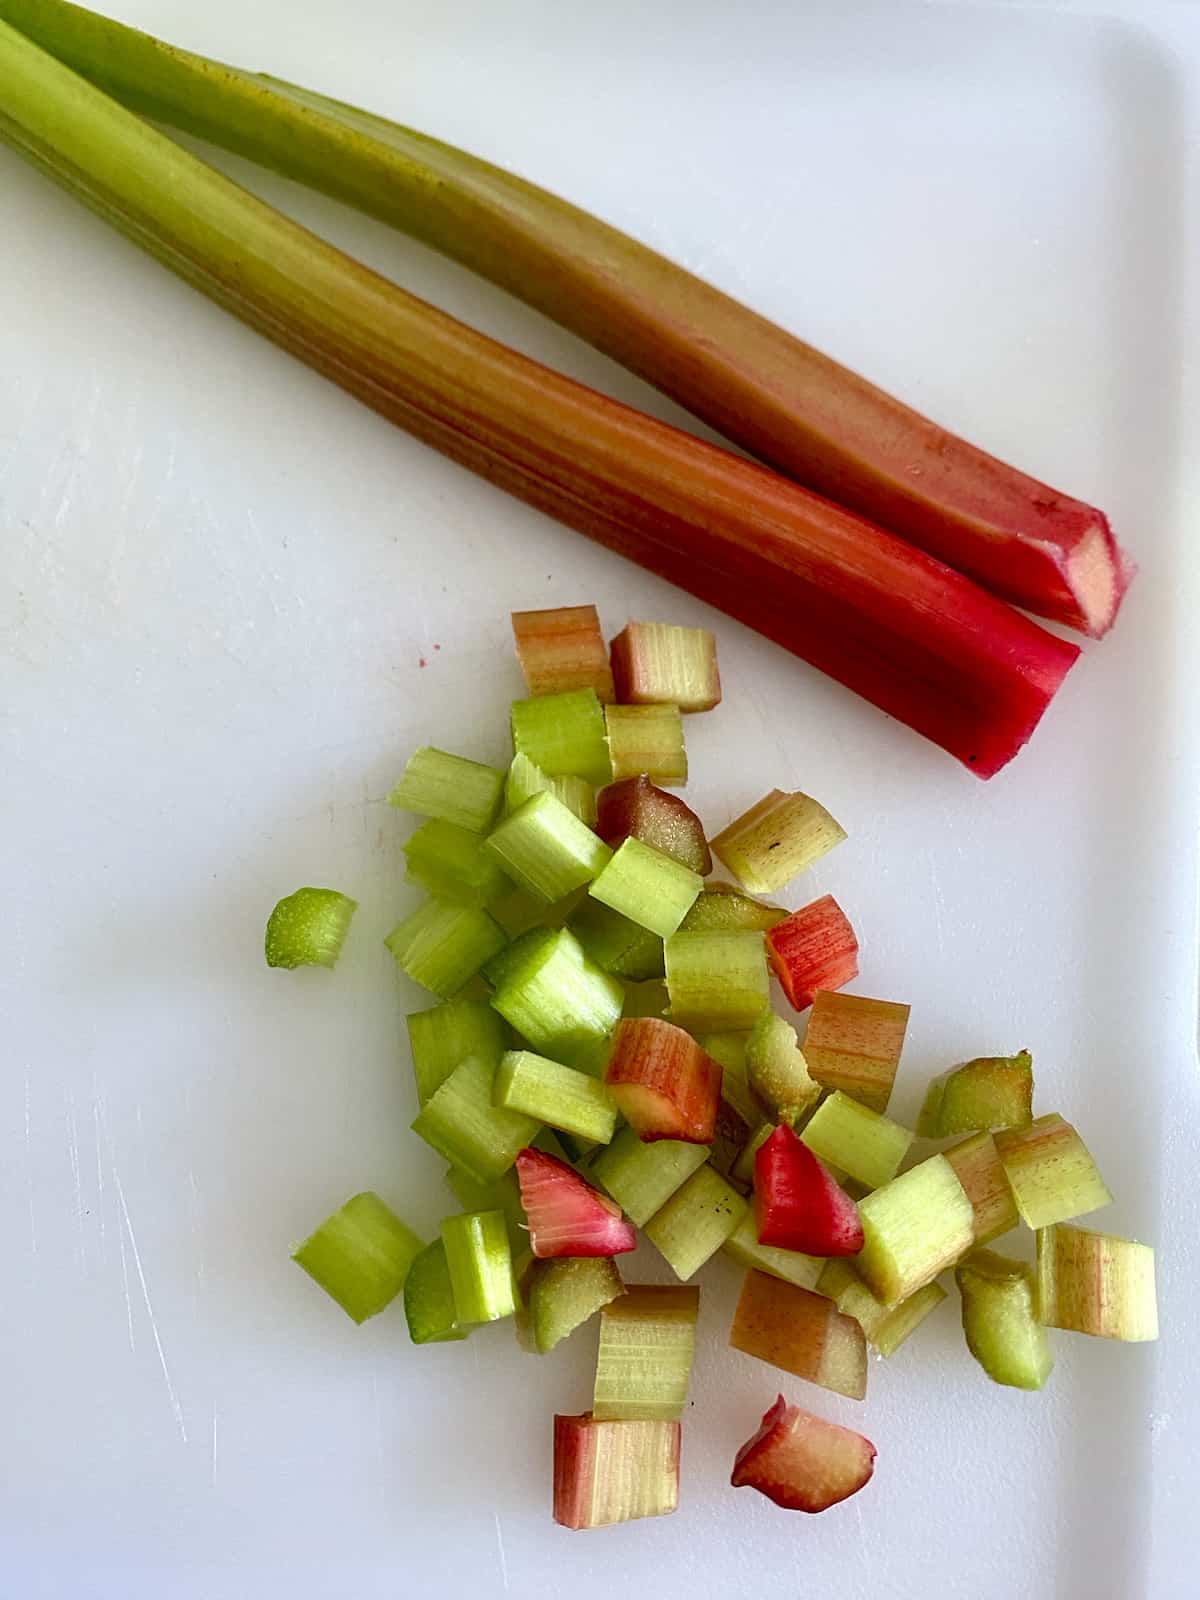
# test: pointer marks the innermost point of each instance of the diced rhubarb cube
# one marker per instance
(566, 1216)
(801, 1332)
(636, 808)
(802, 1462)
(563, 649)
(607, 1472)
(798, 1203)
(665, 1085)
(815, 948)
(659, 661)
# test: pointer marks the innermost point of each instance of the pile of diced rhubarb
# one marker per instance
(605, 1057)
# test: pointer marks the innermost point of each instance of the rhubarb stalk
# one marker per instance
(888, 621)
(776, 396)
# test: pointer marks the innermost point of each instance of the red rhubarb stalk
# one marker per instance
(566, 1216)
(779, 398)
(798, 1204)
(898, 627)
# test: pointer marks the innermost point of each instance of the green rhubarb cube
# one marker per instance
(567, 1100)
(647, 887)
(435, 784)
(545, 848)
(563, 734)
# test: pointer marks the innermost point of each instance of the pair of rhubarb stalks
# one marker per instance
(873, 543)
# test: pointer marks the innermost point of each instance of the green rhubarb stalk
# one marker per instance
(897, 627)
(771, 393)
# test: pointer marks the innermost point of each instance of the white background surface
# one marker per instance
(220, 579)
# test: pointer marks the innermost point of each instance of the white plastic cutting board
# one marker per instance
(231, 601)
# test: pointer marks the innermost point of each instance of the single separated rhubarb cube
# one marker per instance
(654, 662)
(913, 1228)
(562, 649)
(563, 734)
(554, 996)
(776, 839)
(664, 1084)
(571, 1101)
(607, 1472)
(984, 1095)
(1000, 1322)
(435, 784)
(442, 946)
(360, 1255)
(815, 948)
(695, 1222)
(978, 1167)
(802, 1462)
(1096, 1283)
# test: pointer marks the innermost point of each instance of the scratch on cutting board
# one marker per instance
(99, 1174)
(500, 1549)
(76, 1176)
(176, 1408)
(33, 1248)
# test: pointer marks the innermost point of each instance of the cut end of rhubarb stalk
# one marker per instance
(308, 928)
(609, 1472)
(1000, 1322)
(567, 1217)
(562, 1295)
(636, 808)
(563, 649)
(984, 1095)
(802, 1462)
(776, 1070)
(798, 1205)
(664, 1084)
(814, 948)
(1097, 573)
